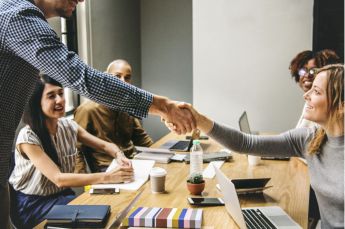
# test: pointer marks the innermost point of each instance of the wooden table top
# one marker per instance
(290, 189)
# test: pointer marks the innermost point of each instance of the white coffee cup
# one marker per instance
(157, 177)
(254, 160)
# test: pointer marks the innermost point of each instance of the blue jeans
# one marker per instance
(32, 209)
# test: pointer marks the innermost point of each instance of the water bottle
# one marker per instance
(196, 158)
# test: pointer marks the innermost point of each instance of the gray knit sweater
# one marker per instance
(326, 168)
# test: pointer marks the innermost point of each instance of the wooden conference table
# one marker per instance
(290, 189)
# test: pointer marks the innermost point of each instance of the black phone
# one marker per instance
(199, 201)
(104, 191)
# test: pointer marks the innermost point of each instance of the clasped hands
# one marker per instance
(182, 118)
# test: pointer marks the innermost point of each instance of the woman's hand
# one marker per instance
(119, 175)
(123, 161)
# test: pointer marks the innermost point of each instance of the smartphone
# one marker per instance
(205, 201)
(104, 191)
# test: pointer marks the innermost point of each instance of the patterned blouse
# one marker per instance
(26, 178)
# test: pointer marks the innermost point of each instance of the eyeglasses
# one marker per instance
(304, 71)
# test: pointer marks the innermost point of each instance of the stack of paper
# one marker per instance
(142, 170)
(164, 217)
(158, 155)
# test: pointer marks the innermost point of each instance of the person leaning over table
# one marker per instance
(302, 69)
(322, 146)
(109, 125)
(28, 45)
(45, 156)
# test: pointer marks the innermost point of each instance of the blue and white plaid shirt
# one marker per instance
(28, 44)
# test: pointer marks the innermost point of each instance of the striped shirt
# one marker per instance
(28, 44)
(26, 178)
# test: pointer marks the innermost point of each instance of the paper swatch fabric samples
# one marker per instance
(164, 217)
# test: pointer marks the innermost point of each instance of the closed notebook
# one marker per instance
(164, 217)
(78, 216)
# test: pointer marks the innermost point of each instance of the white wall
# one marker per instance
(166, 53)
(241, 53)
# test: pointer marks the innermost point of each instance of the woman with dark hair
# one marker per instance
(302, 69)
(322, 146)
(46, 152)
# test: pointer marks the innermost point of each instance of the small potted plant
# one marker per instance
(195, 183)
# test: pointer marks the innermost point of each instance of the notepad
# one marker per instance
(164, 217)
(209, 171)
(142, 170)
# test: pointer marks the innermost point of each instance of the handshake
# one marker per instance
(179, 117)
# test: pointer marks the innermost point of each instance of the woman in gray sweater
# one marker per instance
(322, 147)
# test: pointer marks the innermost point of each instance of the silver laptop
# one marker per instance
(252, 218)
(244, 127)
(244, 124)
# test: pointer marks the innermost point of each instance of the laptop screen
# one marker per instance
(244, 124)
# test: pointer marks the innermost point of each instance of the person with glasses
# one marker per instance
(109, 125)
(302, 69)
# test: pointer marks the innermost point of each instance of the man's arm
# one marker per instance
(31, 38)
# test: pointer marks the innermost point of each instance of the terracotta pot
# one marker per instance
(196, 189)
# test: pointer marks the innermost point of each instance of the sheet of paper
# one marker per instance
(209, 170)
(142, 170)
(178, 157)
(153, 150)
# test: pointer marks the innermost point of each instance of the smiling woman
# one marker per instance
(322, 146)
(45, 156)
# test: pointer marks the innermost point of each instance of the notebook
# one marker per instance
(250, 185)
(164, 217)
(78, 216)
(252, 218)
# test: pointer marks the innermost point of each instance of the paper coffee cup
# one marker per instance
(254, 160)
(157, 178)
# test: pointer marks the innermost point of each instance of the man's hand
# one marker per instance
(169, 110)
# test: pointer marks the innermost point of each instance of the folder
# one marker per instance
(78, 216)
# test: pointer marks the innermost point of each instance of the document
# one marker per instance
(209, 171)
(142, 170)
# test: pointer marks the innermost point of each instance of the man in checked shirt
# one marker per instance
(29, 45)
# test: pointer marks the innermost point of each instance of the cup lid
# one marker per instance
(158, 172)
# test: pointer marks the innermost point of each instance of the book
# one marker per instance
(164, 217)
(78, 216)
(158, 155)
(216, 156)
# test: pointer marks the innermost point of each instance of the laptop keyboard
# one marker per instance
(255, 219)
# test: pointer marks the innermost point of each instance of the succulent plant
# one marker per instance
(195, 178)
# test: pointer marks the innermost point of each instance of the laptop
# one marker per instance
(252, 218)
(244, 127)
(178, 145)
(244, 124)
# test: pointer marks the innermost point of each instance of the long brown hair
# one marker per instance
(335, 101)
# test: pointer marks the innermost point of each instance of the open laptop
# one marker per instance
(178, 145)
(244, 127)
(252, 218)
(244, 124)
